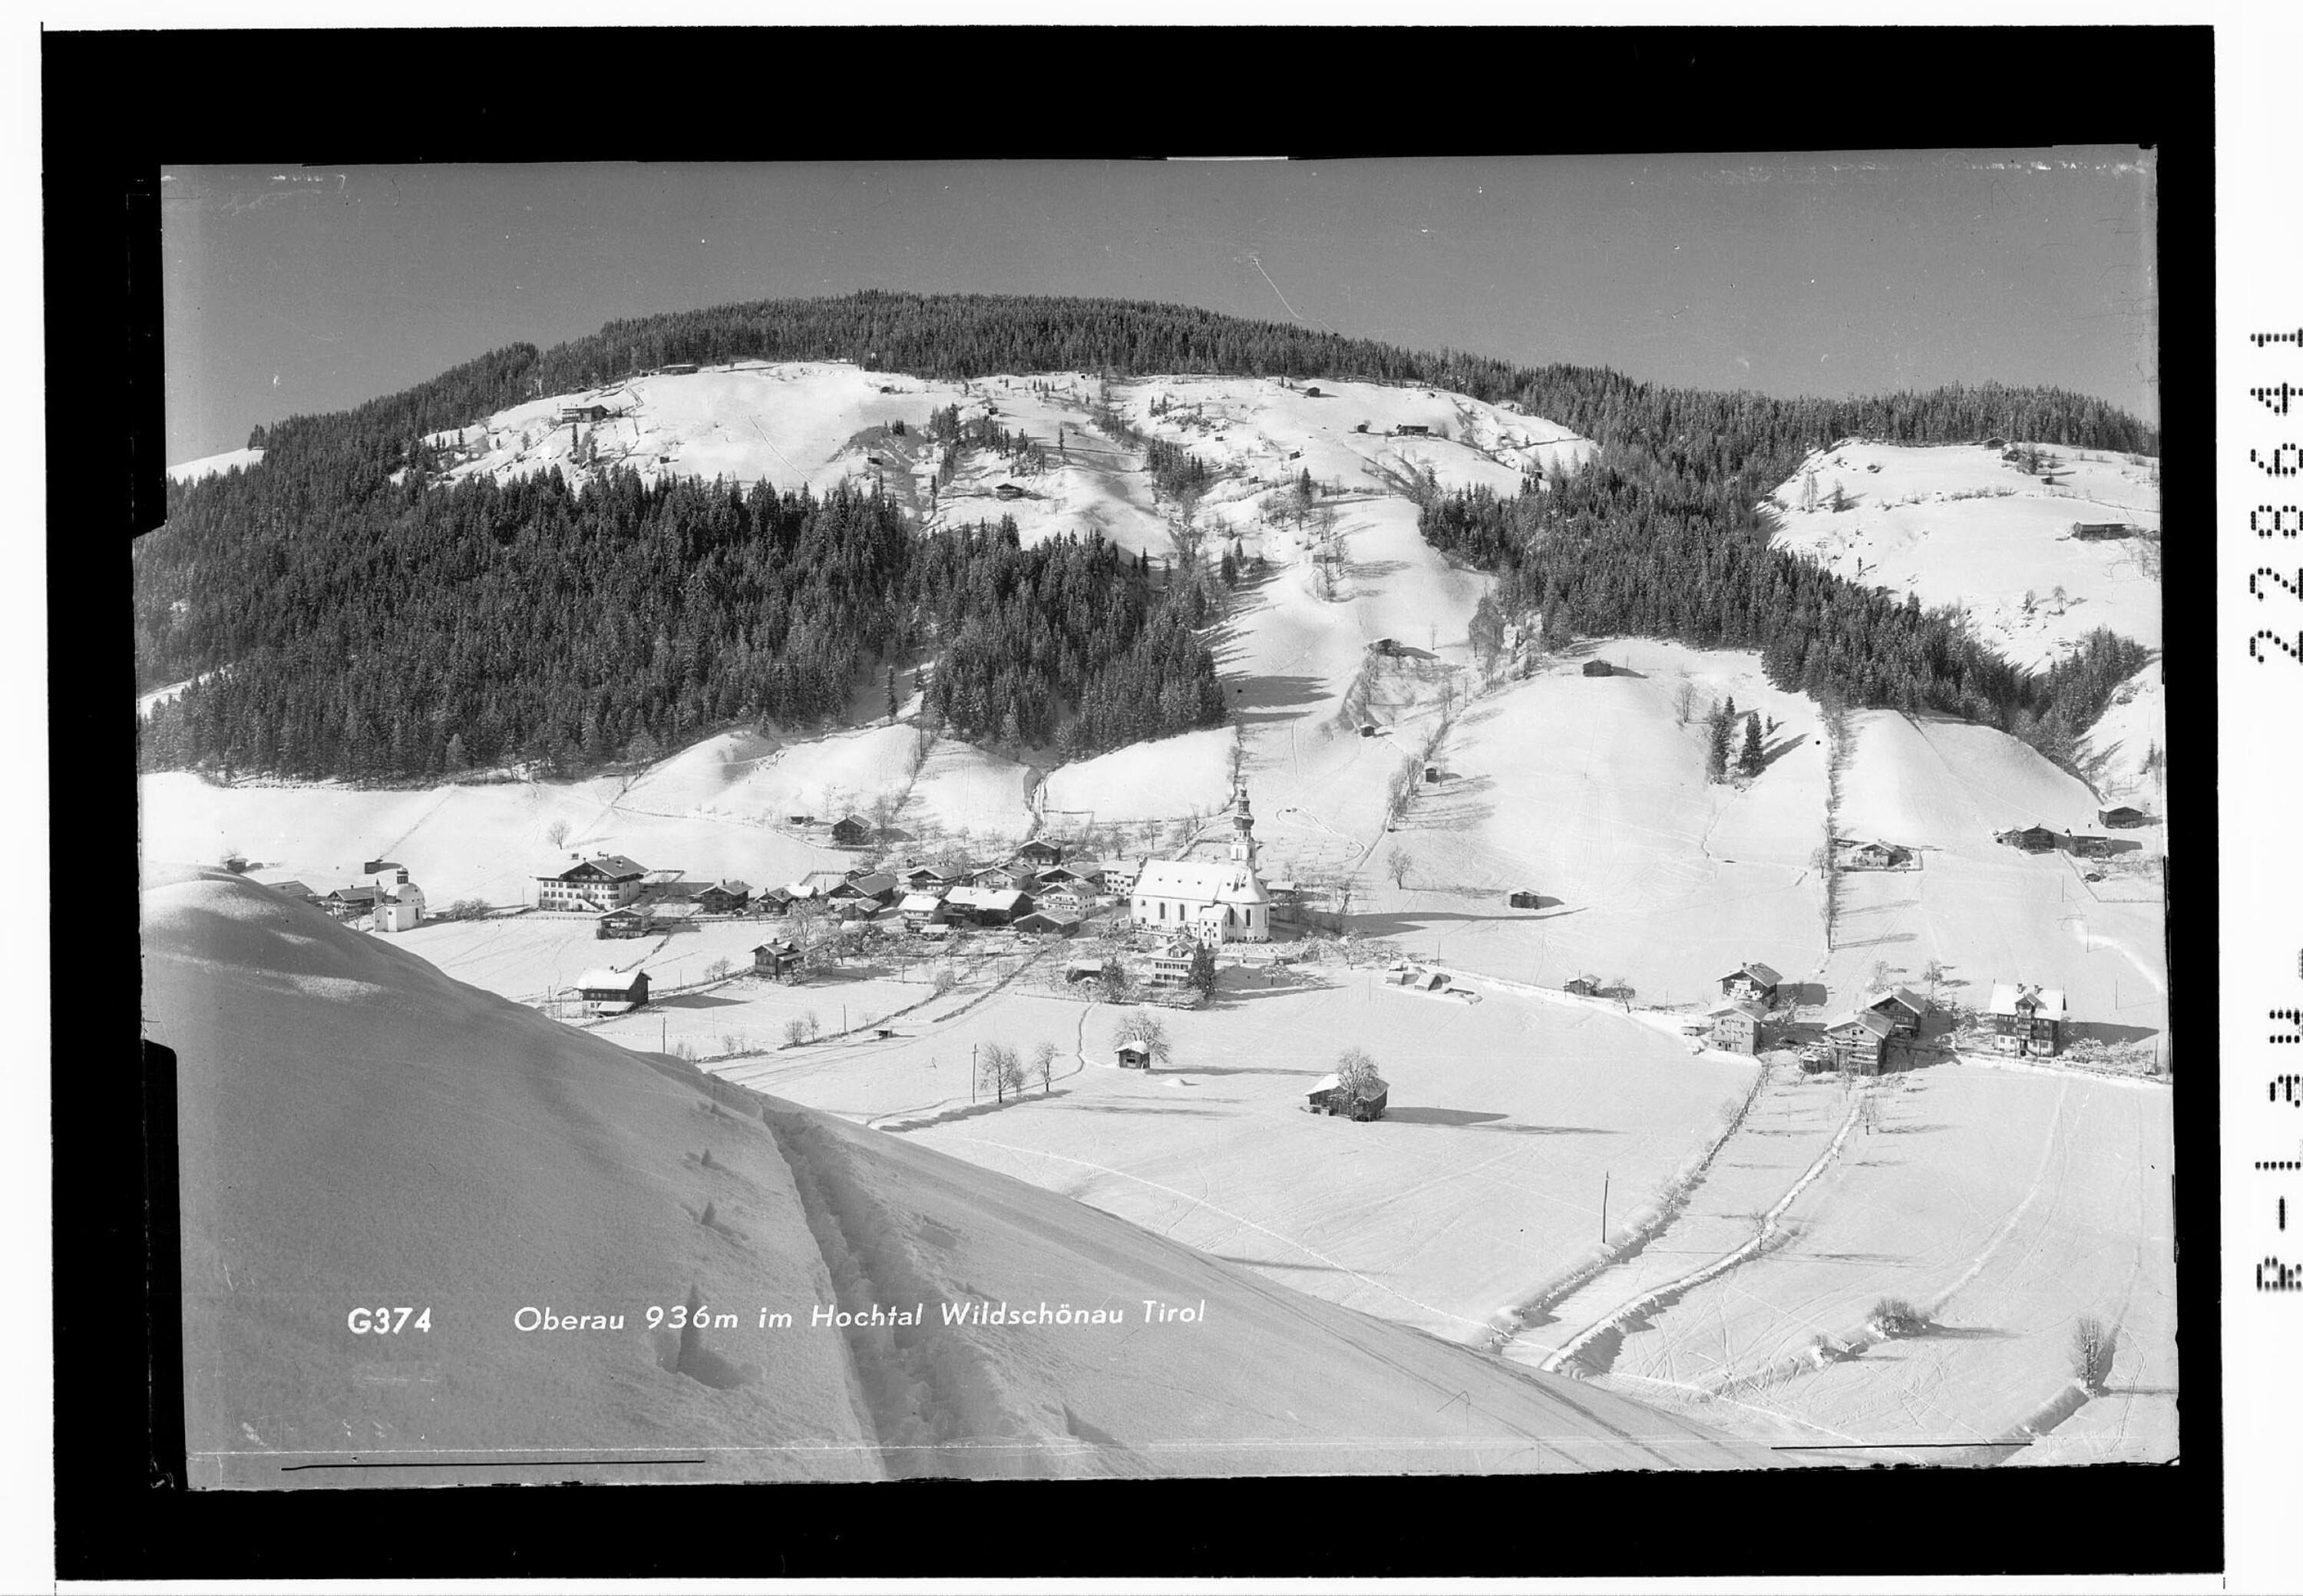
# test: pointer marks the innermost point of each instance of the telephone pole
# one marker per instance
(1605, 1177)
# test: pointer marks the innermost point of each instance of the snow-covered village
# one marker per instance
(877, 845)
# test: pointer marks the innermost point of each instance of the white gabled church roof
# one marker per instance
(1201, 881)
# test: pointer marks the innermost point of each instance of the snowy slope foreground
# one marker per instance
(361, 1134)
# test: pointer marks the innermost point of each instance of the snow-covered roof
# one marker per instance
(605, 980)
(1375, 1086)
(1764, 975)
(2005, 993)
(1870, 1020)
(994, 898)
(1743, 1006)
(1903, 995)
(1204, 880)
(919, 903)
(615, 866)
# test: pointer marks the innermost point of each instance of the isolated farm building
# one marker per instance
(1994, 443)
(777, 959)
(1903, 1007)
(1313, 391)
(613, 992)
(2120, 815)
(1750, 980)
(2030, 838)
(849, 832)
(1008, 490)
(1327, 1096)
(985, 906)
(1735, 1027)
(1584, 987)
(2026, 1020)
(1132, 1055)
(1431, 773)
(2099, 531)
(1426, 981)
(1877, 856)
(1196, 894)
(1413, 429)
(724, 898)
(678, 368)
(1598, 668)
(595, 413)
(1039, 853)
(921, 908)
(634, 919)
(1044, 921)
(602, 882)
(1856, 1040)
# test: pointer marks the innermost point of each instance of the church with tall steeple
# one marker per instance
(1212, 901)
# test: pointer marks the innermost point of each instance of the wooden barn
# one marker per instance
(1526, 898)
(613, 992)
(1043, 922)
(2026, 1020)
(2030, 838)
(1313, 391)
(1751, 980)
(1737, 1026)
(1584, 987)
(2079, 845)
(2101, 531)
(850, 832)
(1411, 429)
(634, 919)
(1132, 1055)
(1598, 668)
(1902, 1009)
(1327, 1096)
(2121, 816)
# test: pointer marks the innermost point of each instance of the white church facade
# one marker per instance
(1212, 901)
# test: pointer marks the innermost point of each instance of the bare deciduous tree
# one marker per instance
(1396, 864)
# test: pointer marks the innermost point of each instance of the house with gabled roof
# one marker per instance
(603, 881)
(1857, 1040)
(1904, 1008)
(1751, 979)
(2026, 1020)
(613, 992)
(1737, 1026)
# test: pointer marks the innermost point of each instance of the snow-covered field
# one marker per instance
(2003, 1207)
(359, 1132)
(215, 465)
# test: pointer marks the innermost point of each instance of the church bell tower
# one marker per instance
(1242, 838)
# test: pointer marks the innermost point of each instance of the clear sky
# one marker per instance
(300, 290)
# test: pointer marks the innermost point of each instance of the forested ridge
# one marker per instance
(374, 628)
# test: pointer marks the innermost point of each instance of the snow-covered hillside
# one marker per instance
(359, 1132)
(1958, 525)
(215, 465)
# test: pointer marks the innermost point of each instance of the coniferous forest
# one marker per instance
(381, 630)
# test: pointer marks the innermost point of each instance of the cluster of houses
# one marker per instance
(2041, 838)
(386, 901)
(1874, 1035)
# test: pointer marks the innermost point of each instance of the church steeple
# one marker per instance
(1242, 838)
